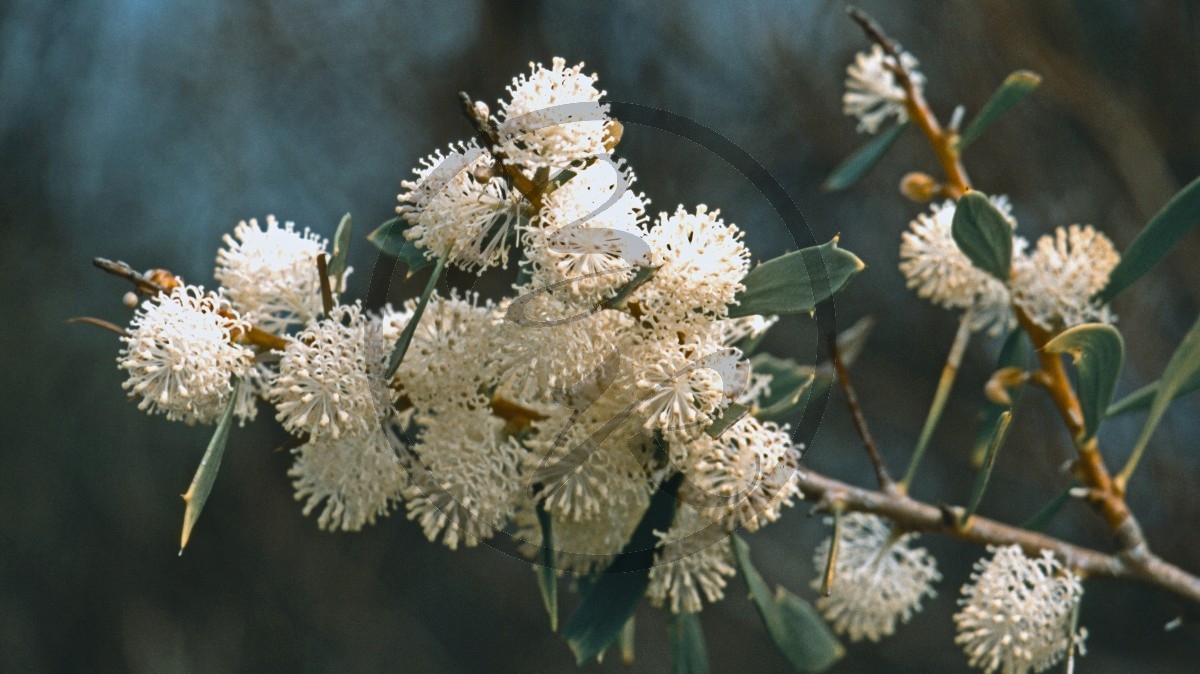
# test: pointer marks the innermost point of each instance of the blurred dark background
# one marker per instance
(144, 131)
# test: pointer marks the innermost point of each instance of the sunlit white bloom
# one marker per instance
(591, 232)
(683, 386)
(352, 480)
(744, 477)
(1017, 611)
(553, 117)
(179, 355)
(1056, 284)
(270, 275)
(695, 560)
(453, 215)
(465, 476)
(872, 92)
(703, 262)
(330, 380)
(940, 272)
(256, 384)
(879, 579)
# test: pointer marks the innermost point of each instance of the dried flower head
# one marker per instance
(553, 117)
(270, 275)
(180, 355)
(940, 272)
(879, 579)
(1056, 284)
(1016, 612)
(872, 92)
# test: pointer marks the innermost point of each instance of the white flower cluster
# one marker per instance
(1017, 613)
(579, 394)
(872, 92)
(1054, 285)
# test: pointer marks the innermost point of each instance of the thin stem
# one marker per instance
(940, 397)
(326, 289)
(486, 134)
(99, 323)
(834, 541)
(913, 515)
(860, 422)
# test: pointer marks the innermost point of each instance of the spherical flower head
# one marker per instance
(270, 275)
(353, 480)
(1017, 611)
(1055, 285)
(553, 117)
(872, 92)
(879, 578)
(695, 559)
(590, 236)
(456, 217)
(180, 356)
(703, 262)
(330, 382)
(466, 478)
(940, 272)
(683, 386)
(746, 476)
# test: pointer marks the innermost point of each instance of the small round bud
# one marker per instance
(165, 279)
(481, 110)
(613, 131)
(919, 187)
(130, 299)
(483, 173)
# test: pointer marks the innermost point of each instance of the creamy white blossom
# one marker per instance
(353, 480)
(330, 380)
(872, 92)
(180, 356)
(695, 559)
(683, 385)
(270, 275)
(455, 216)
(1055, 285)
(702, 263)
(1016, 612)
(879, 578)
(940, 272)
(553, 117)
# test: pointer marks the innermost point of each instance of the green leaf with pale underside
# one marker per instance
(796, 282)
(861, 160)
(983, 234)
(1098, 352)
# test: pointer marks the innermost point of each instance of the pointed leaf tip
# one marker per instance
(1013, 90)
(1098, 352)
(797, 282)
(206, 473)
(854, 167)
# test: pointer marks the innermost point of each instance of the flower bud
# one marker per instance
(919, 187)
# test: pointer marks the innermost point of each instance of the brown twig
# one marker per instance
(886, 483)
(142, 283)
(914, 515)
(99, 323)
(326, 289)
(486, 134)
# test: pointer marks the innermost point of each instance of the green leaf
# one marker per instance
(341, 249)
(792, 623)
(1183, 366)
(642, 275)
(389, 239)
(1157, 239)
(983, 234)
(1014, 353)
(1143, 397)
(729, 417)
(796, 282)
(857, 164)
(985, 471)
(1015, 87)
(547, 576)
(402, 344)
(688, 655)
(1043, 517)
(1098, 352)
(206, 472)
(789, 382)
(602, 614)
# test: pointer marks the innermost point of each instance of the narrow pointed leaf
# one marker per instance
(794, 626)
(1143, 397)
(1014, 353)
(1012, 91)
(789, 382)
(406, 336)
(389, 239)
(547, 576)
(1157, 239)
(1098, 352)
(688, 653)
(985, 471)
(1044, 516)
(796, 282)
(857, 164)
(206, 473)
(983, 234)
(341, 249)
(602, 614)
(1183, 366)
